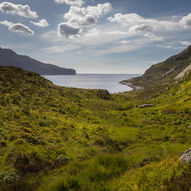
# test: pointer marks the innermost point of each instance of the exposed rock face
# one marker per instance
(186, 156)
(183, 73)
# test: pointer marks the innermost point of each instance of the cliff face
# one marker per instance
(166, 71)
(10, 58)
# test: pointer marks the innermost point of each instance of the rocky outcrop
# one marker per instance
(186, 157)
(146, 105)
(183, 73)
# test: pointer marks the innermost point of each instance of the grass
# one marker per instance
(54, 138)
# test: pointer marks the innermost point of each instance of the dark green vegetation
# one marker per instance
(165, 71)
(59, 139)
(10, 58)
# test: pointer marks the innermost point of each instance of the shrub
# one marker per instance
(103, 94)
(9, 177)
(59, 187)
(26, 162)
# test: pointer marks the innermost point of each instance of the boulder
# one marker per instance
(146, 105)
(186, 157)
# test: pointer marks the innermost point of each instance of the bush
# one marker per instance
(9, 177)
(26, 162)
(103, 94)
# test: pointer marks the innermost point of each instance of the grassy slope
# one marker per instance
(165, 71)
(54, 138)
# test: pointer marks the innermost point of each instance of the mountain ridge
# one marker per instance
(164, 72)
(9, 58)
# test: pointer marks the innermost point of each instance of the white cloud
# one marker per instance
(153, 37)
(67, 30)
(17, 9)
(71, 2)
(99, 10)
(117, 49)
(61, 48)
(131, 31)
(136, 23)
(41, 23)
(141, 28)
(166, 46)
(51, 36)
(80, 17)
(100, 41)
(88, 20)
(98, 37)
(186, 21)
(17, 27)
(86, 16)
(185, 43)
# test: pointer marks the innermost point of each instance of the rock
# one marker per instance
(63, 158)
(186, 157)
(146, 105)
(189, 126)
(145, 162)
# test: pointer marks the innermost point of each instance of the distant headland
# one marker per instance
(10, 58)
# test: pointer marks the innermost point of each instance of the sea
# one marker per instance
(109, 82)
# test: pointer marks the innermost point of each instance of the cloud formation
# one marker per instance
(41, 23)
(185, 43)
(80, 17)
(86, 16)
(138, 24)
(67, 30)
(186, 21)
(17, 27)
(17, 9)
(71, 2)
(99, 10)
(61, 48)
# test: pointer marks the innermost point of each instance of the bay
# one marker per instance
(109, 82)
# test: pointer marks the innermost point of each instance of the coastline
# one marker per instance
(131, 85)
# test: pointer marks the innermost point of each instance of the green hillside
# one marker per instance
(165, 71)
(57, 139)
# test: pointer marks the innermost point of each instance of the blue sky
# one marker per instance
(96, 36)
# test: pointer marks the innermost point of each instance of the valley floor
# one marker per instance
(56, 139)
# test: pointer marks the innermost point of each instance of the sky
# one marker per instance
(96, 36)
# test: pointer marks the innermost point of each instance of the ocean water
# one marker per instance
(109, 82)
